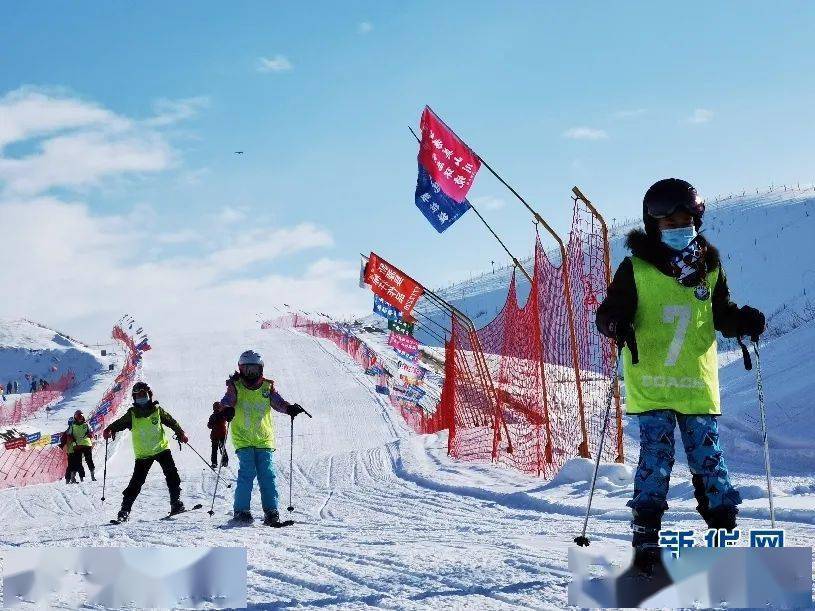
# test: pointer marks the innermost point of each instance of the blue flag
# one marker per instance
(383, 308)
(440, 210)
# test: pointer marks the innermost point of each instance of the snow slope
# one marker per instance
(387, 519)
(30, 348)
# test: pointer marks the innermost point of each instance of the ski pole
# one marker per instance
(583, 540)
(211, 511)
(291, 461)
(205, 461)
(761, 409)
(291, 456)
(105, 471)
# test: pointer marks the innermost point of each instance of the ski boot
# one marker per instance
(73, 479)
(93, 477)
(648, 559)
(213, 466)
(124, 514)
(720, 518)
(243, 517)
(177, 507)
(271, 517)
(645, 541)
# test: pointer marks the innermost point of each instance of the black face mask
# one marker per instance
(251, 377)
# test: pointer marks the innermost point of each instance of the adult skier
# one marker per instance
(666, 302)
(248, 404)
(74, 466)
(81, 432)
(217, 435)
(146, 420)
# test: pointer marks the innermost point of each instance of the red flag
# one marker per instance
(392, 284)
(451, 164)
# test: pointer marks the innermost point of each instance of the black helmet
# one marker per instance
(665, 197)
(142, 387)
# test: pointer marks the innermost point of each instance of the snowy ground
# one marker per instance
(388, 521)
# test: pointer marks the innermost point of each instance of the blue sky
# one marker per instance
(607, 97)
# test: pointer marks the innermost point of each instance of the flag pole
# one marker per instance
(490, 229)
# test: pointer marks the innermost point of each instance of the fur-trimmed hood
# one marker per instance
(652, 249)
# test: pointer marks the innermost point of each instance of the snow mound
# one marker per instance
(610, 476)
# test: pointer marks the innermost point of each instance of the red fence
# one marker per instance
(529, 389)
(42, 460)
(22, 408)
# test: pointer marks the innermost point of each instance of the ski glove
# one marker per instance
(751, 322)
(295, 410)
(108, 434)
(623, 334)
(182, 437)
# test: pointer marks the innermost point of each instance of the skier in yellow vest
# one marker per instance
(248, 405)
(80, 430)
(665, 304)
(146, 420)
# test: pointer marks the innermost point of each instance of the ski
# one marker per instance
(280, 524)
(234, 524)
(167, 517)
(172, 515)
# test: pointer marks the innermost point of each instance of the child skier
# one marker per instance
(217, 435)
(146, 420)
(81, 432)
(666, 303)
(248, 405)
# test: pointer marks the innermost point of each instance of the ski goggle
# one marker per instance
(141, 393)
(251, 370)
(661, 209)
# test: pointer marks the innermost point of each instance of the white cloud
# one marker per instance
(229, 214)
(278, 63)
(98, 267)
(84, 158)
(29, 112)
(630, 114)
(73, 143)
(488, 203)
(183, 236)
(700, 115)
(169, 112)
(585, 133)
(365, 27)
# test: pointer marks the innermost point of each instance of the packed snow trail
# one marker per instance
(386, 520)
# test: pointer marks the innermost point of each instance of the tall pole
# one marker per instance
(584, 445)
(490, 229)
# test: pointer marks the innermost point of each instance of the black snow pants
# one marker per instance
(87, 452)
(219, 445)
(74, 466)
(140, 471)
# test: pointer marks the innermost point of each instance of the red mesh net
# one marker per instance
(38, 464)
(12, 413)
(529, 389)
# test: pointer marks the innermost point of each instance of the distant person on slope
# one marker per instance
(80, 430)
(74, 466)
(668, 300)
(248, 405)
(217, 435)
(146, 420)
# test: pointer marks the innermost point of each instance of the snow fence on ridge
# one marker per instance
(37, 458)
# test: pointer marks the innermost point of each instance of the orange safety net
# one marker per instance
(530, 389)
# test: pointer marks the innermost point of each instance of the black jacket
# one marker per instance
(618, 308)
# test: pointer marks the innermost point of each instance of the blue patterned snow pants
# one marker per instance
(700, 436)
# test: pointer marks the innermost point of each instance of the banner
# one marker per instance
(392, 284)
(56, 438)
(449, 162)
(414, 394)
(32, 437)
(401, 326)
(439, 209)
(403, 343)
(410, 358)
(42, 441)
(15, 443)
(383, 308)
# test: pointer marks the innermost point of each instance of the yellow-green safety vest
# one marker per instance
(148, 434)
(81, 433)
(678, 365)
(253, 425)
